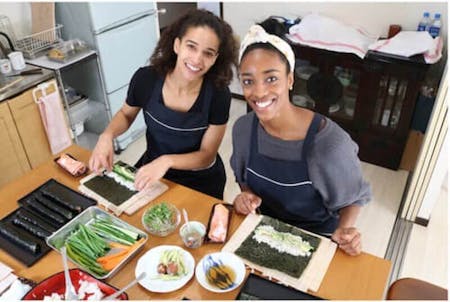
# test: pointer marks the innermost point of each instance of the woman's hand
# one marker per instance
(348, 239)
(103, 154)
(152, 172)
(246, 203)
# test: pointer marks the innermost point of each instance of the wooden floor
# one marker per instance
(423, 258)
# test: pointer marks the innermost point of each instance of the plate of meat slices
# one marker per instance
(167, 268)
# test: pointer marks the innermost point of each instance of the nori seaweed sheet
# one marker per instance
(263, 255)
(109, 189)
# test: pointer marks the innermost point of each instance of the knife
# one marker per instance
(26, 72)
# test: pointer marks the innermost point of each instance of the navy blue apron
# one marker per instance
(175, 132)
(285, 187)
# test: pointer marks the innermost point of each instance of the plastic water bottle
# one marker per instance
(435, 27)
(424, 22)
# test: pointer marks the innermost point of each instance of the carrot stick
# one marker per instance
(109, 262)
(118, 245)
(112, 256)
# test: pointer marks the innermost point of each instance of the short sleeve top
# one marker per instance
(141, 88)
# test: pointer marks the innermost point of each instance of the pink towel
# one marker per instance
(54, 123)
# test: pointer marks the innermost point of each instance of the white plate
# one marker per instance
(148, 263)
(226, 258)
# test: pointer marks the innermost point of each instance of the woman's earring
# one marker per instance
(290, 88)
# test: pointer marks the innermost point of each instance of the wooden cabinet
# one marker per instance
(373, 98)
(13, 160)
(23, 137)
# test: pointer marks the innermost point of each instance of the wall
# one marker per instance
(19, 13)
(375, 17)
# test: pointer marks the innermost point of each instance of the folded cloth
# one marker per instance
(4, 270)
(54, 123)
(6, 277)
(16, 291)
(434, 54)
(410, 43)
(326, 33)
(7, 281)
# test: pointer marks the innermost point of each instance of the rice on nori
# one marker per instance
(262, 254)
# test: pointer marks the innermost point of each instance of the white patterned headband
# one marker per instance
(257, 34)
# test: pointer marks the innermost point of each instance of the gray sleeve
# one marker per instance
(241, 141)
(335, 169)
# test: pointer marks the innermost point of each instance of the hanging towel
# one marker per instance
(54, 123)
(326, 33)
(410, 43)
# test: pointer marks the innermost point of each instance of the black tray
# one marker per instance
(26, 257)
(230, 212)
(258, 288)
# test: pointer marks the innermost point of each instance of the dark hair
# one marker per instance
(164, 58)
(273, 27)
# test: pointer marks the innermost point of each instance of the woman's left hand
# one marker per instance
(348, 239)
(151, 173)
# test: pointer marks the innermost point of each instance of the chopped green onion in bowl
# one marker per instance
(161, 219)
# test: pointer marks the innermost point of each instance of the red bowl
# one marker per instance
(56, 284)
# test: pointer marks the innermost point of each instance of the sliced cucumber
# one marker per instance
(124, 170)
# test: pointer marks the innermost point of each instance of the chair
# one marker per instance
(415, 289)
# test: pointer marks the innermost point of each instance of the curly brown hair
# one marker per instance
(163, 59)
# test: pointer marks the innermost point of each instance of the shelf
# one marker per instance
(45, 62)
(84, 110)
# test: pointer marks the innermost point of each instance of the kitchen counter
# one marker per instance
(27, 81)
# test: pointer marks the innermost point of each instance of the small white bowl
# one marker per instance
(193, 234)
(225, 258)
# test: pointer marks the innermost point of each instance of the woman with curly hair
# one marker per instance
(185, 100)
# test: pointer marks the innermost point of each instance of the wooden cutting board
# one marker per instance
(42, 16)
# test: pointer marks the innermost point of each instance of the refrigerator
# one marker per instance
(124, 35)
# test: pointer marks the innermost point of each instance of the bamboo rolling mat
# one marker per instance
(131, 205)
(313, 274)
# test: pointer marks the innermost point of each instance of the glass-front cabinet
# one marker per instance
(349, 79)
(390, 98)
(372, 98)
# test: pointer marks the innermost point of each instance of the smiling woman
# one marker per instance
(185, 100)
(289, 161)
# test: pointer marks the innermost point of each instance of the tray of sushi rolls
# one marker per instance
(40, 213)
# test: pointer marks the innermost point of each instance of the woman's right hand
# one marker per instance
(103, 155)
(246, 203)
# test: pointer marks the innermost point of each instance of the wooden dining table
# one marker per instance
(363, 277)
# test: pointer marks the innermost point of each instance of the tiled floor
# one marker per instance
(376, 219)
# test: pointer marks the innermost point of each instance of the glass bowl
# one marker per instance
(161, 219)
